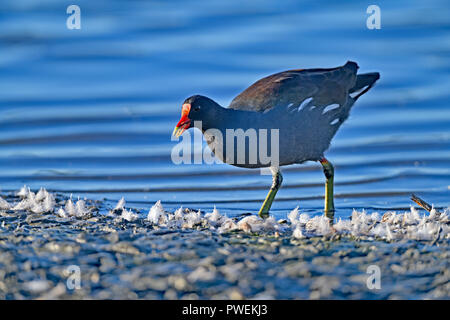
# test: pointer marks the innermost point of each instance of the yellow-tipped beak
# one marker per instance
(184, 123)
(180, 128)
(177, 132)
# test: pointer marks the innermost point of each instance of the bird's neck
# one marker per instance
(225, 118)
(218, 119)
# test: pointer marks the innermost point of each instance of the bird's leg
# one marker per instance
(328, 170)
(277, 179)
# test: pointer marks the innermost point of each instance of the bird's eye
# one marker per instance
(197, 108)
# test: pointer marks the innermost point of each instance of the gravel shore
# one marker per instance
(41, 255)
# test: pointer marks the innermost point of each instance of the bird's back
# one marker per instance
(325, 86)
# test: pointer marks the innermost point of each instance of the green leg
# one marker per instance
(328, 170)
(276, 184)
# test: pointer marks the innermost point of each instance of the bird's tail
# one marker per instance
(363, 84)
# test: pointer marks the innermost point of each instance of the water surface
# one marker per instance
(90, 112)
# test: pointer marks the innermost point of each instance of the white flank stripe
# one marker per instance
(334, 122)
(304, 103)
(330, 107)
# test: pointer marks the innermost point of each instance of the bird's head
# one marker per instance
(195, 109)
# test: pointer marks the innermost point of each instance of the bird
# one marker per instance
(300, 110)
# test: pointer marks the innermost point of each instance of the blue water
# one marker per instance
(90, 112)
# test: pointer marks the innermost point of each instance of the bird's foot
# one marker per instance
(263, 214)
(329, 213)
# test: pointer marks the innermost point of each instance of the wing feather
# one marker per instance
(324, 86)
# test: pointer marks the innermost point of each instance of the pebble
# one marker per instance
(192, 255)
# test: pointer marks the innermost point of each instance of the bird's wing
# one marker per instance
(324, 86)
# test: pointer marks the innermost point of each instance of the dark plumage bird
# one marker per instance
(299, 110)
